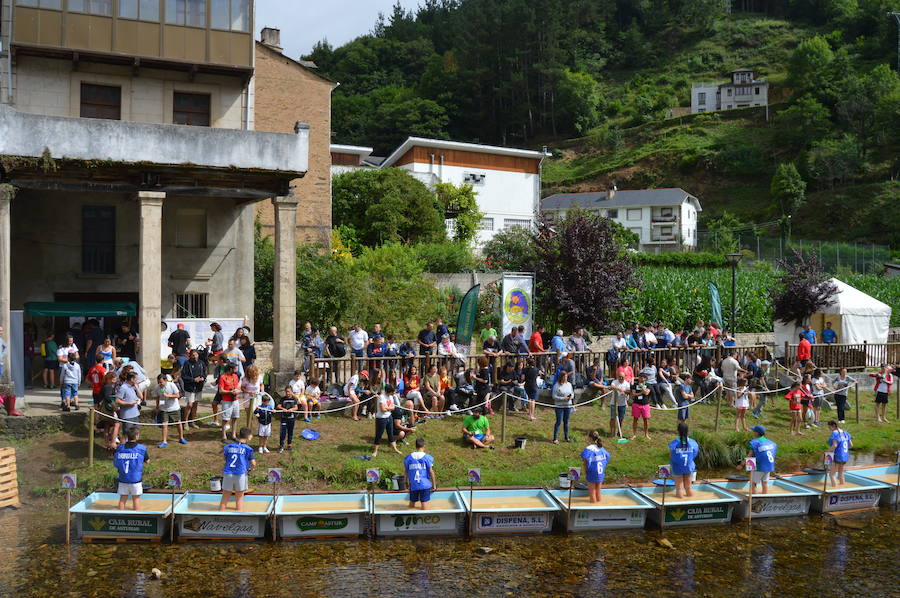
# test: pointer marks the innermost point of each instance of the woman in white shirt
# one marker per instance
(563, 393)
(251, 387)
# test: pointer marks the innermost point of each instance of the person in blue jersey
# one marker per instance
(419, 467)
(840, 442)
(239, 462)
(594, 460)
(763, 450)
(682, 452)
(129, 460)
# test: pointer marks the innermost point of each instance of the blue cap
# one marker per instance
(760, 429)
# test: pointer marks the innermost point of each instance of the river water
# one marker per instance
(804, 556)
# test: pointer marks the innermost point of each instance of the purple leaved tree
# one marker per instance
(583, 274)
(802, 289)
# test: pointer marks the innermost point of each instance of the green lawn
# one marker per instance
(329, 463)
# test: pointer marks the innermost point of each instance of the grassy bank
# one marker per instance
(331, 463)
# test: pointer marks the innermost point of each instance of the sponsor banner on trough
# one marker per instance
(846, 500)
(245, 527)
(310, 525)
(612, 518)
(93, 524)
(698, 513)
(511, 521)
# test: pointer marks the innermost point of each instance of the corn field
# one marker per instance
(680, 296)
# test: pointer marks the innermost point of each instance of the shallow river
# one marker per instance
(789, 557)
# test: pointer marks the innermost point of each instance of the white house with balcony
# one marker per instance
(663, 219)
(507, 181)
(743, 89)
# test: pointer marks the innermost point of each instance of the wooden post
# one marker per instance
(91, 436)
(856, 400)
(274, 504)
(787, 364)
(569, 510)
(172, 515)
(471, 508)
(662, 515)
(718, 406)
(505, 398)
(68, 516)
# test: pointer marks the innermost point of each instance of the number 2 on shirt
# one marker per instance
(233, 463)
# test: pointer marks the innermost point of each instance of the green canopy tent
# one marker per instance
(77, 308)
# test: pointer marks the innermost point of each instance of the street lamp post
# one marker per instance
(733, 259)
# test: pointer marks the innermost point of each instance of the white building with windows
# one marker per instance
(663, 219)
(507, 181)
(742, 90)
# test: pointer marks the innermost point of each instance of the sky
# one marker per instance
(304, 22)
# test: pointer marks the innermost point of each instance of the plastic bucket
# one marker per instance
(398, 482)
(520, 442)
(564, 481)
(215, 484)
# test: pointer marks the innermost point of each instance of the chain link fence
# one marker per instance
(859, 258)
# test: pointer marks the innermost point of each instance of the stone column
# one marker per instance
(7, 192)
(285, 286)
(150, 204)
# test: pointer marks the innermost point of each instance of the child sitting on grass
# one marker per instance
(312, 395)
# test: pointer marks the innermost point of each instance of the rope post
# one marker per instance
(856, 400)
(91, 437)
(505, 397)
(718, 407)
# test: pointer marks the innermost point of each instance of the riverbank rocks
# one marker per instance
(156, 573)
(484, 550)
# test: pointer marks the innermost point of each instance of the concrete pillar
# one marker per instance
(150, 279)
(285, 285)
(7, 192)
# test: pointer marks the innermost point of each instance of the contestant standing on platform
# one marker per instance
(682, 452)
(840, 442)
(594, 460)
(764, 451)
(239, 462)
(129, 460)
(419, 467)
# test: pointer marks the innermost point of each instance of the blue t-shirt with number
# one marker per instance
(682, 456)
(238, 456)
(129, 461)
(764, 451)
(829, 336)
(840, 441)
(595, 460)
(418, 470)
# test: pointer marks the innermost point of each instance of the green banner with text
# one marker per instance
(468, 309)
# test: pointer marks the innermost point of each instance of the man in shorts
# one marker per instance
(231, 408)
(419, 467)
(239, 462)
(167, 392)
(193, 377)
(129, 460)
(763, 450)
(883, 381)
(640, 405)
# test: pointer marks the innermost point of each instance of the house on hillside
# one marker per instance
(741, 90)
(507, 181)
(663, 219)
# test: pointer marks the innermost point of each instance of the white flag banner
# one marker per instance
(199, 330)
(517, 303)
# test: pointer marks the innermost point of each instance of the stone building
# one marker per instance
(130, 168)
(288, 90)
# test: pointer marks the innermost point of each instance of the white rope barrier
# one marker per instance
(700, 400)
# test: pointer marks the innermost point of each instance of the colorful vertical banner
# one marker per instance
(465, 323)
(517, 303)
(715, 305)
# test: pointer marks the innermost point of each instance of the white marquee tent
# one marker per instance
(855, 316)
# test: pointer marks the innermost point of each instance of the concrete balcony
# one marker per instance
(111, 141)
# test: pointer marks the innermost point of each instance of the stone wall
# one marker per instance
(286, 92)
(21, 428)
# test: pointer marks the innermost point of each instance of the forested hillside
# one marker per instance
(599, 82)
